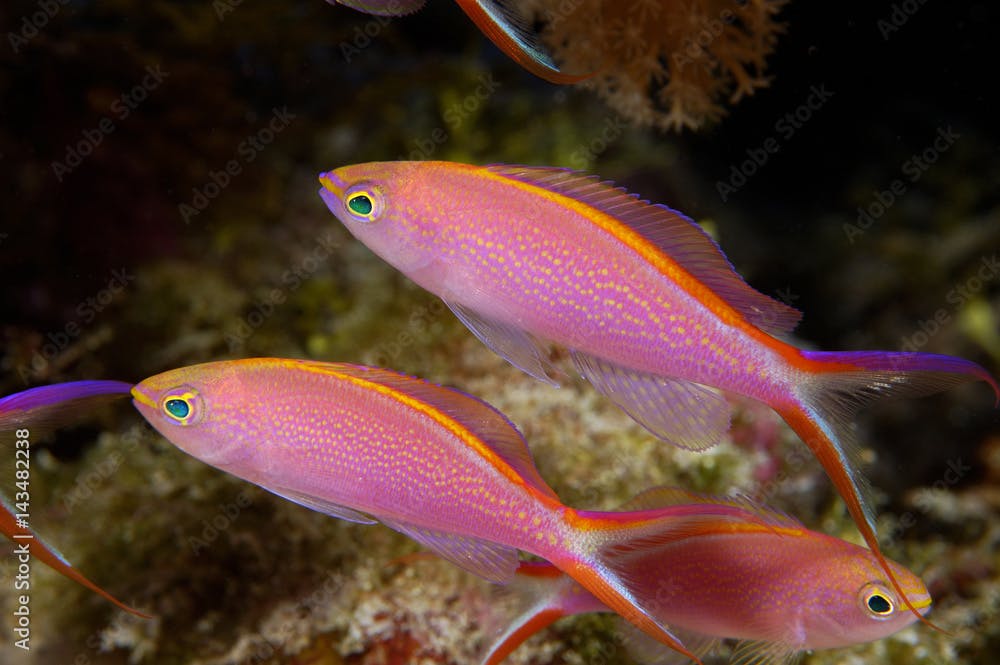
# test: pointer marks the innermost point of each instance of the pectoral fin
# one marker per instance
(493, 562)
(323, 506)
(509, 342)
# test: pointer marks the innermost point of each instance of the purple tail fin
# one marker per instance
(904, 374)
(47, 407)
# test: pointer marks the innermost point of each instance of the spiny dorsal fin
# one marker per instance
(671, 232)
(487, 424)
(662, 497)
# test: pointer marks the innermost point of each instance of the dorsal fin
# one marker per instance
(482, 420)
(661, 497)
(671, 232)
(377, 8)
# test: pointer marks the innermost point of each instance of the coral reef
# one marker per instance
(664, 63)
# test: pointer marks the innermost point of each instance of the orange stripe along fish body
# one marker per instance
(651, 311)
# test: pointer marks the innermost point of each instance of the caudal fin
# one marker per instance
(616, 573)
(511, 34)
(841, 383)
(33, 547)
(49, 407)
(539, 595)
(24, 415)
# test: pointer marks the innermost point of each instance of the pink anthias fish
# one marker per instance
(652, 312)
(498, 21)
(25, 415)
(769, 582)
(440, 466)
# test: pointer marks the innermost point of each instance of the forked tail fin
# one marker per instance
(45, 408)
(511, 33)
(49, 407)
(539, 595)
(613, 572)
(841, 383)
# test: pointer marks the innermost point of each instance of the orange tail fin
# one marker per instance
(843, 382)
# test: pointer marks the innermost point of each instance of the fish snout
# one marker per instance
(332, 184)
(144, 397)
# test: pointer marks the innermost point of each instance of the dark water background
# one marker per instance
(106, 274)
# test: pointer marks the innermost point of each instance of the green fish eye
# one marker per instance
(178, 408)
(361, 204)
(183, 406)
(364, 202)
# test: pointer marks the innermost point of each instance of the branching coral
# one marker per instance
(665, 63)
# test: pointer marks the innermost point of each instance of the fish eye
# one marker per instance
(877, 600)
(182, 405)
(364, 203)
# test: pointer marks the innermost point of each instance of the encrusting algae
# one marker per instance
(664, 63)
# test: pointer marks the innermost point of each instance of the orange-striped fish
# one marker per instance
(652, 312)
(765, 580)
(367, 444)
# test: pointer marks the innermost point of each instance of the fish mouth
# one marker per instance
(143, 398)
(331, 183)
(922, 605)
